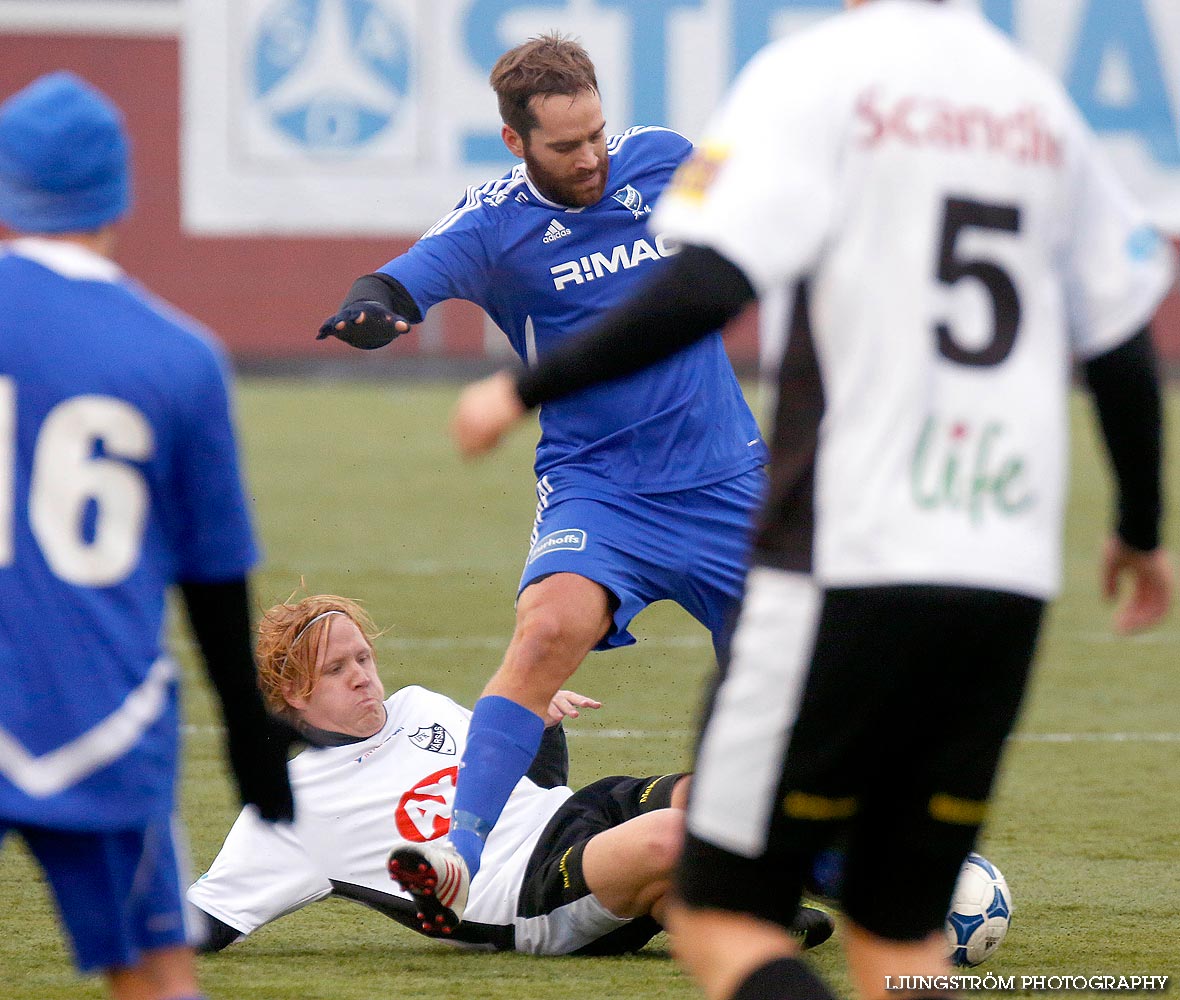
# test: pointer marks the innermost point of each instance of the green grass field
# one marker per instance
(358, 492)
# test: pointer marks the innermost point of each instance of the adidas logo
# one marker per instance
(555, 232)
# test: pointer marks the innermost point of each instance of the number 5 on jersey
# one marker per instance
(960, 214)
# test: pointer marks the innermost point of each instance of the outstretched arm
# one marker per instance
(376, 309)
(693, 294)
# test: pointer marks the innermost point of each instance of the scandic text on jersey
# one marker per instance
(597, 265)
(914, 120)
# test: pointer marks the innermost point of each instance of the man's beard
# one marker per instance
(568, 192)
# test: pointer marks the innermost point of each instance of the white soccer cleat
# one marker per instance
(436, 876)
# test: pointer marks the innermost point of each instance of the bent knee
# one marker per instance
(664, 840)
(548, 632)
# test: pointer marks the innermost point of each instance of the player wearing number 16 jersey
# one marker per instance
(925, 208)
(118, 478)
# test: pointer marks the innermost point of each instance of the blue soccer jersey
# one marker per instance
(118, 476)
(544, 272)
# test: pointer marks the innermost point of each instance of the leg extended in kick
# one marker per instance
(559, 619)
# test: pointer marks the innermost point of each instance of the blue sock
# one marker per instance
(501, 743)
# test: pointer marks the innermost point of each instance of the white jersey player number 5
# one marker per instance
(67, 477)
(960, 214)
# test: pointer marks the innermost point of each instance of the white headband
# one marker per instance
(303, 630)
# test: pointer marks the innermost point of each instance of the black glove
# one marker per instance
(365, 324)
(258, 752)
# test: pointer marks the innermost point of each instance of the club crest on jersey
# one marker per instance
(555, 232)
(565, 540)
(631, 199)
(434, 739)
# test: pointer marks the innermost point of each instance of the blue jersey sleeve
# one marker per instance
(215, 538)
(451, 261)
(660, 144)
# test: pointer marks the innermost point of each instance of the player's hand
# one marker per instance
(565, 705)
(367, 325)
(486, 410)
(258, 757)
(1151, 577)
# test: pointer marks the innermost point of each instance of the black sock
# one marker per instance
(781, 979)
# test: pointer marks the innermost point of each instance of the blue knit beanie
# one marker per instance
(63, 158)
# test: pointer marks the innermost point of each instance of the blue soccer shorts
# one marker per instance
(689, 546)
(120, 893)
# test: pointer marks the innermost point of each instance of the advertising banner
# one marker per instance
(371, 116)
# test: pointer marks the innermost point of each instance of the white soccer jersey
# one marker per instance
(958, 231)
(352, 803)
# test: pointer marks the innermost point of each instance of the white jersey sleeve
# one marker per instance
(1118, 265)
(261, 873)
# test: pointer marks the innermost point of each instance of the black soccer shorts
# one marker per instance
(554, 888)
(868, 719)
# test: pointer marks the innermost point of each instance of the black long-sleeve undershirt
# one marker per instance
(257, 743)
(219, 614)
(694, 293)
(387, 291)
(1126, 389)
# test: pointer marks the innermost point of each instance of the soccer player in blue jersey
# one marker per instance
(118, 477)
(646, 487)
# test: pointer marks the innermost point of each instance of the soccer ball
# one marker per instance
(981, 910)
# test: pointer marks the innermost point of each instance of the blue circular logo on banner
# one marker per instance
(330, 74)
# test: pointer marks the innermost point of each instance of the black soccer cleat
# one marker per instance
(436, 876)
(812, 926)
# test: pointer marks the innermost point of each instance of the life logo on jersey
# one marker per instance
(974, 470)
(632, 200)
(331, 75)
(434, 739)
(424, 812)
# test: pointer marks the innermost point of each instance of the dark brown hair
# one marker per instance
(547, 64)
